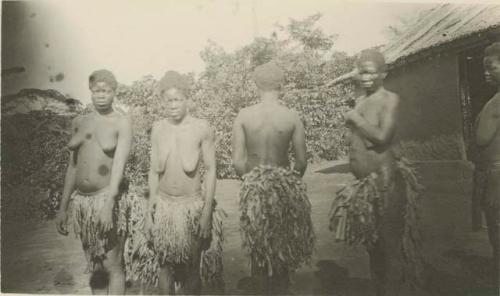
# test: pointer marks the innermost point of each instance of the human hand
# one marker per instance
(205, 229)
(105, 218)
(148, 215)
(352, 117)
(61, 222)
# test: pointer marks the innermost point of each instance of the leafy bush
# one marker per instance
(35, 154)
(225, 87)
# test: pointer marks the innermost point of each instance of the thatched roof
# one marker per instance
(33, 99)
(440, 28)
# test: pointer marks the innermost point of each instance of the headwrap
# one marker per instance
(173, 79)
(268, 76)
(103, 76)
(374, 56)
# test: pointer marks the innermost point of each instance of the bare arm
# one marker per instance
(384, 132)
(69, 186)
(122, 151)
(154, 172)
(239, 154)
(69, 182)
(299, 146)
(489, 120)
(208, 153)
(70, 178)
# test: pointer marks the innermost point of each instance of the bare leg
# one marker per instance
(142, 289)
(491, 210)
(192, 280)
(377, 267)
(99, 280)
(256, 270)
(166, 280)
(280, 283)
(492, 221)
(386, 262)
(113, 264)
(259, 277)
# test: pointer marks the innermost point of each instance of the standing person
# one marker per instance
(275, 219)
(99, 148)
(487, 174)
(379, 208)
(180, 224)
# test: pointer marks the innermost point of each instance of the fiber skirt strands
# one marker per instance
(84, 211)
(358, 208)
(276, 225)
(171, 239)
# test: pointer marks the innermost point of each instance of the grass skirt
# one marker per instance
(276, 226)
(354, 218)
(171, 238)
(84, 211)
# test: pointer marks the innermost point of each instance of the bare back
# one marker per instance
(269, 130)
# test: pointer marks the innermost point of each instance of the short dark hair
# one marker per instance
(268, 76)
(493, 50)
(374, 56)
(103, 75)
(173, 79)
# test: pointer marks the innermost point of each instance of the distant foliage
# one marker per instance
(34, 151)
(225, 87)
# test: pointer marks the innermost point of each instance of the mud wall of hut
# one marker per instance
(430, 125)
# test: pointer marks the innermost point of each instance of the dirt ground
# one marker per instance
(35, 259)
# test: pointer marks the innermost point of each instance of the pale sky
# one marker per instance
(137, 38)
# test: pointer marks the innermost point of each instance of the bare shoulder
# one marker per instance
(390, 96)
(244, 113)
(200, 123)
(124, 121)
(493, 106)
(158, 126)
(77, 120)
(359, 100)
(124, 118)
(204, 126)
(390, 99)
(295, 118)
(496, 102)
(248, 110)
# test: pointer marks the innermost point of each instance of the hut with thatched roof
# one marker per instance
(436, 68)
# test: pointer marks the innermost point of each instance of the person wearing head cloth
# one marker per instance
(487, 171)
(93, 186)
(379, 209)
(181, 245)
(275, 222)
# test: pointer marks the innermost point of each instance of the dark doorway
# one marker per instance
(475, 92)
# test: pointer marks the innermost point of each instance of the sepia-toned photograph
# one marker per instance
(250, 147)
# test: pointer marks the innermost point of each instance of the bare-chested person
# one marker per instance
(99, 149)
(276, 222)
(179, 220)
(487, 175)
(372, 209)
